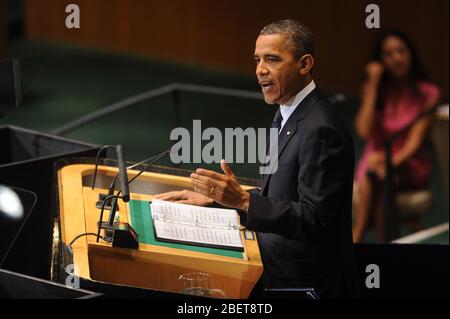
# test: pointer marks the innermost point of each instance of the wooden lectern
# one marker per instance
(154, 265)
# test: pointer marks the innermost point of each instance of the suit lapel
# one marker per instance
(290, 128)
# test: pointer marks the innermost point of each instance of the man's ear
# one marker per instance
(306, 63)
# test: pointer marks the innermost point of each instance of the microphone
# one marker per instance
(153, 160)
(123, 173)
(122, 235)
(124, 189)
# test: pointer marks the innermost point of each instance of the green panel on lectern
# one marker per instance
(141, 221)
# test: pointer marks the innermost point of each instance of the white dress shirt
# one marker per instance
(287, 109)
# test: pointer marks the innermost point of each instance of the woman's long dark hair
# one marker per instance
(416, 72)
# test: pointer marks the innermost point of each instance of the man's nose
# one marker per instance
(261, 69)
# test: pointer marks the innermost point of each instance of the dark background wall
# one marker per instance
(221, 34)
(3, 33)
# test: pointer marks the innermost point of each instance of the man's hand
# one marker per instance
(185, 197)
(222, 188)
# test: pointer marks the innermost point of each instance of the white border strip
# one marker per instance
(423, 234)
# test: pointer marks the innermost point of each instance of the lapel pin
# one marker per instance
(288, 133)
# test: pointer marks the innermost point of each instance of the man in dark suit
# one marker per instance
(302, 213)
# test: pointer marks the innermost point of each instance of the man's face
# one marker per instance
(277, 70)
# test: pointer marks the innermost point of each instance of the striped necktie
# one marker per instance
(277, 120)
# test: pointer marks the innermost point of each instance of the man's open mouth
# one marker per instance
(266, 85)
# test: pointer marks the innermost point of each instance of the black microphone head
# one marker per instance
(123, 173)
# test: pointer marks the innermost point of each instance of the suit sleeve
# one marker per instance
(321, 181)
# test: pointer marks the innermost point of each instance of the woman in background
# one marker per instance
(395, 91)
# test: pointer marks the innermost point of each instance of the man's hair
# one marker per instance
(300, 38)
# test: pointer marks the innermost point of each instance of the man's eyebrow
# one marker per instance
(267, 56)
(271, 56)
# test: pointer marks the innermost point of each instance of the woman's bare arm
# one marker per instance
(415, 136)
(364, 121)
